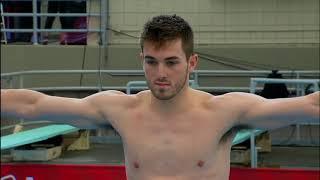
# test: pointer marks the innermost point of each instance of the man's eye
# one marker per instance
(151, 62)
(171, 63)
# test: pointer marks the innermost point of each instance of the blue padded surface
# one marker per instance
(34, 135)
(243, 135)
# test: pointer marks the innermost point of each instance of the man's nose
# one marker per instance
(162, 71)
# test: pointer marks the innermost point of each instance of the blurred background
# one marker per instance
(76, 48)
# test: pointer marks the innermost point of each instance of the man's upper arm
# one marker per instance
(79, 112)
(262, 113)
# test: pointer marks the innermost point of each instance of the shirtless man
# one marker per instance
(170, 132)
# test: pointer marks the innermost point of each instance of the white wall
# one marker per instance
(223, 21)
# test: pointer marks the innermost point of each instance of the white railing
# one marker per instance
(35, 30)
(19, 77)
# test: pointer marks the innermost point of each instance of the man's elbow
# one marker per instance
(314, 102)
(315, 98)
(27, 112)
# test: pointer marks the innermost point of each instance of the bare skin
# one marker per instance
(186, 144)
(172, 132)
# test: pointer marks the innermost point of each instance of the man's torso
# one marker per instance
(190, 144)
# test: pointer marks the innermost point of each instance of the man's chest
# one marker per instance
(190, 132)
(196, 124)
(166, 142)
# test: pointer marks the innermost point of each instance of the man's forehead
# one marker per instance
(163, 54)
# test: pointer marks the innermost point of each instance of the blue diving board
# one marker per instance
(34, 135)
(244, 135)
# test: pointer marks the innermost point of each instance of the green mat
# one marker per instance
(243, 135)
(34, 135)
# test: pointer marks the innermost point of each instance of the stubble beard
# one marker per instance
(160, 93)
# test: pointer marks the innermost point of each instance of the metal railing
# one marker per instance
(35, 15)
(18, 77)
(139, 85)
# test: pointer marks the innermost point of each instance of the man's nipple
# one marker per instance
(200, 163)
(136, 165)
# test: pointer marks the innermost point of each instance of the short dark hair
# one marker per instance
(164, 28)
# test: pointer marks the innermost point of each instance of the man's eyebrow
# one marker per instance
(171, 58)
(148, 57)
(167, 58)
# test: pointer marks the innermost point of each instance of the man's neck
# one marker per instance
(175, 104)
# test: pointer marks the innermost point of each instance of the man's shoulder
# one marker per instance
(231, 98)
(143, 94)
(109, 93)
(234, 95)
(202, 94)
(114, 97)
(204, 99)
(121, 96)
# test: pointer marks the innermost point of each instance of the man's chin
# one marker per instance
(163, 97)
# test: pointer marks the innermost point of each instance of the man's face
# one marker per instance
(166, 68)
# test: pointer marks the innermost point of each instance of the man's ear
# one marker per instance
(193, 62)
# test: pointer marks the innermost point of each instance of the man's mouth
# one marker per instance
(162, 84)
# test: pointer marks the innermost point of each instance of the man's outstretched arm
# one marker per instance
(32, 105)
(262, 113)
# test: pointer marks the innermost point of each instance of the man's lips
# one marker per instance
(162, 84)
